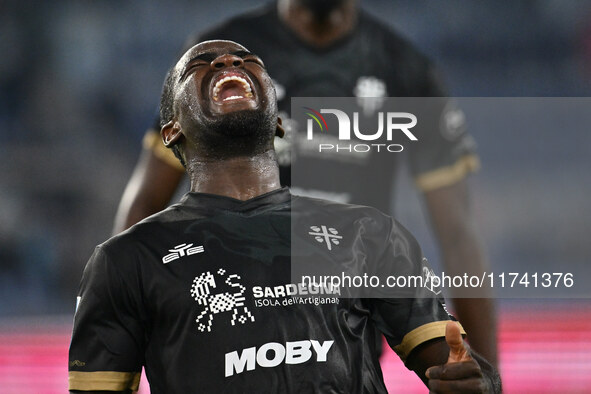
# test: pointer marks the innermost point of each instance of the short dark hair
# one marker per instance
(167, 109)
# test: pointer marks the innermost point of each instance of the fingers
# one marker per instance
(472, 385)
(458, 350)
(461, 370)
(462, 377)
(461, 373)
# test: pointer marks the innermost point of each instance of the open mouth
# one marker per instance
(231, 87)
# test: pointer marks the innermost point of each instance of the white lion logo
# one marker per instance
(220, 302)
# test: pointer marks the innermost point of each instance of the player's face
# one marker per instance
(321, 7)
(218, 78)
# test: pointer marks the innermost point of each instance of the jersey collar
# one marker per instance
(214, 201)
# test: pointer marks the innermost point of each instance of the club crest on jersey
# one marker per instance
(326, 235)
(216, 303)
(180, 251)
(370, 92)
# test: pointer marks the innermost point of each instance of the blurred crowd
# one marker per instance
(79, 84)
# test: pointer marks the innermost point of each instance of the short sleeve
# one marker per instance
(445, 153)
(411, 311)
(106, 352)
(153, 142)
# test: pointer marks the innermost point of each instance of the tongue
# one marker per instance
(230, 89)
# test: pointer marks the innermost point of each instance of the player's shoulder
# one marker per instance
(368, 221)
(345, 212)
(147, 231)
(387, 35)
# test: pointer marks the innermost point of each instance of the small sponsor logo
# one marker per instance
(273, 354)
(327, 235)
(77, 363)
(429, 275)
(295, 294)
(180, 251)
(292, 289)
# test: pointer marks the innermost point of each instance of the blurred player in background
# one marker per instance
(332, 48)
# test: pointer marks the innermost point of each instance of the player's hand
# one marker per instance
(461, 373)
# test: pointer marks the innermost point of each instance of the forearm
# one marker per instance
(475, 308)
(149, 190)
(478, 318)
(462, 255)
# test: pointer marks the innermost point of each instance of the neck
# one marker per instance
(241, 178)
(318, 30)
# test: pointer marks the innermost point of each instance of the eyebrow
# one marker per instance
(210, 56)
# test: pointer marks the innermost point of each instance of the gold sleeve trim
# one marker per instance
(449, 175)
(422, 334)
(103, 380)
(153, 142)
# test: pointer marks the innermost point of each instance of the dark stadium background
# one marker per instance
(79, 84)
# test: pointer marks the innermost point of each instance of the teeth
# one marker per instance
(233, 98)
(244, 82)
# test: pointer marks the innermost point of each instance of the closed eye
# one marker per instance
(254, 59)
(192, 68)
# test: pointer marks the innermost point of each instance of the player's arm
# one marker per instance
(452, 223)
(426, 341)
(448, 365)
(414, 319)
(157, 173)
(440, 164)
(152, 184)
(109, 334)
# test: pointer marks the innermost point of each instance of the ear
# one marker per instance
(280, 132)
(171, 133)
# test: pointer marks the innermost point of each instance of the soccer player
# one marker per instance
(332, 48)
(200, 293)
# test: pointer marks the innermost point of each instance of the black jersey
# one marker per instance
(202, 295)
(371, 61)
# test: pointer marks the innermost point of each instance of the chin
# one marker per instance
(243, 122)
(240, 133)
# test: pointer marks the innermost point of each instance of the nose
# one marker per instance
(226, 60)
